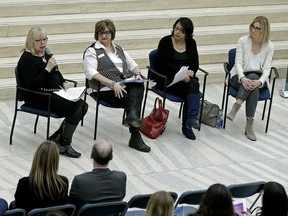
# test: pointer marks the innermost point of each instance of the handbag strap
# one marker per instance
(159, 103)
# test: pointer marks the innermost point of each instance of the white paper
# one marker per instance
(179, 76)
(72, 94)
(122, 83)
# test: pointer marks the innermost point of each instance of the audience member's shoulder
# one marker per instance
(65, 179)
(24, 180)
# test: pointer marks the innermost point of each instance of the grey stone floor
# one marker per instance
(174, 164)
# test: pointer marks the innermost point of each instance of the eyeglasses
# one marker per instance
(256, 28)
(176, 29)
(42, 40)
(106, 33)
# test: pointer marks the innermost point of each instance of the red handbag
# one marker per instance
(155, 124)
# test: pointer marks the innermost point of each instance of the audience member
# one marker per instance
(160, 203)
(3, 206)
(43, 187)
(38, 71)
(254, 55)
(174, 51)
(101, 184)
(274, 201)
(108, 63)
(217, 201)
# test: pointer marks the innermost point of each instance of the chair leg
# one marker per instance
(48, 127)
(268, 116)
(180, 110)
(13, 125)
(145, 100)
(264, 109)
(226, 106)
(96, 120)
(35, 125)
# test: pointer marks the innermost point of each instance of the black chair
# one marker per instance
(31, 110)
(246, 190)
(68, 209)
(229, 90)
(188, 201)
(103, 209)
(96, 97)
(152, 73)
(139, 202)
(15, 212)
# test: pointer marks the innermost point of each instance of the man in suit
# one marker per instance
(101, 184)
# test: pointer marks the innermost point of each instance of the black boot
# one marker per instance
(66, 139)
(56, 137)
(192, 103)
(188, 132)
(135, 96)
(136, 141)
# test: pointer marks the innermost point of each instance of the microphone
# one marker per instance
(50, 54)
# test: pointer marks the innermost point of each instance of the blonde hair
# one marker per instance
(265, 28)
(43, 176)
(34, 34)
(160, 203)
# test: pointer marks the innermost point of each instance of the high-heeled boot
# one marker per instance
(136, 140)
(66, 139)
(249, 131)
(188, 132)
(231, 115)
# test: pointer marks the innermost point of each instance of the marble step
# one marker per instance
(209, 54)
(139, 39)
(18, 8)
(83, 23)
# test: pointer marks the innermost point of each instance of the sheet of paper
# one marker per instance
(72, 94)
(239, 206)
(179, 76)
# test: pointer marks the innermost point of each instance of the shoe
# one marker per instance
(231, 115)
(137, 143)
(249, 131)
(133, 122)
(70, 152)
(188, 133)
(193, 124)
(56, 139)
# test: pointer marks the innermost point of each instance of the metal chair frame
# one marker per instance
(163, 93)
(228, 88)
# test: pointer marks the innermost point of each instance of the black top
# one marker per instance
(168, 61)
(100, 185)
(26, 196)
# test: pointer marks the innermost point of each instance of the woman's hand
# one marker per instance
(51, 64)
(189, 74)
(250, 84)
(118, 90)
(138, 77)
(65, 86)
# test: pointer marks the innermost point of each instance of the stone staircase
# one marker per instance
(140, 24)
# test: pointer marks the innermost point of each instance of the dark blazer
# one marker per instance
(100, 185)
(165, 62)
(26, 197)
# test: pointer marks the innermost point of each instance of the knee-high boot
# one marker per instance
(56, 135)
(193, 103)
(133, 108)
(136, 140)
(66, 139)
(188, 132)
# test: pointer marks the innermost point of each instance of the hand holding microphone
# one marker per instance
(51, 62)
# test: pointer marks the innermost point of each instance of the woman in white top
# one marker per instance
(108, 63)
(253, 61)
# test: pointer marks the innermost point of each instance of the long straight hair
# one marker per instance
(43, 176)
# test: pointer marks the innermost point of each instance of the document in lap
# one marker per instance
(128, 80)
(72, 94)
(179, 76)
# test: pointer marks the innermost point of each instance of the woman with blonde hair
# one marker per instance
(160, 203)
(43, 187)
(254, 55)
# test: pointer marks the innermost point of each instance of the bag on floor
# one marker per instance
(155, 124)
(210, 113)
